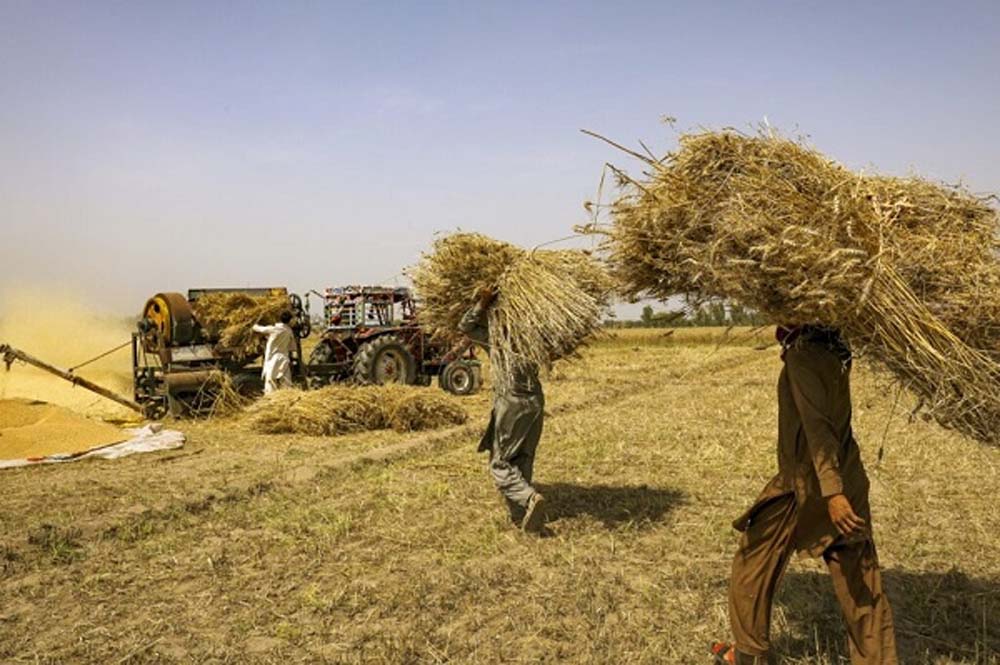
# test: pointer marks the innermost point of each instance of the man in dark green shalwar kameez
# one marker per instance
(515, 427)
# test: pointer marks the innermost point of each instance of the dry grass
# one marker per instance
(227, 551)
(229, 318)
(343, 409)
(906, 268)
(549, 303)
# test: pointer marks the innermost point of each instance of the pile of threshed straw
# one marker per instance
(229, 318)
(549, 301)
(907, 269)
(346, 409)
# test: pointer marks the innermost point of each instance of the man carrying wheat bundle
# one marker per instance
(532, 308)
(817, 505)
(515, 426)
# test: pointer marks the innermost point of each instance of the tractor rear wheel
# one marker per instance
(385, 360)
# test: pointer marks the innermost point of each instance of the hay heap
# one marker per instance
(345, 409)
(220, 394)
(907, 269)
(549, 303)
(421, 410)
(228, 319)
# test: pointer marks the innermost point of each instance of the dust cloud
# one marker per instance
(63, 331)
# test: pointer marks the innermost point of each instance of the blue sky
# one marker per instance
(160, 146)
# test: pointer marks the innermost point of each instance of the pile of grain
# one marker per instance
(344, 409)
(228, 320)
(549, 302)
(33, 429)
(907, 269)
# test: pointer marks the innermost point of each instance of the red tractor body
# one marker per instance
(372, 337)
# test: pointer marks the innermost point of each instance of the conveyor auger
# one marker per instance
(10, 354)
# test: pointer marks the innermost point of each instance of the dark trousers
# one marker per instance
(512, 457)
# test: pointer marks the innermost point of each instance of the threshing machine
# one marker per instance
(176, 364)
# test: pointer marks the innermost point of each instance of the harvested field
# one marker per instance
(391, 548)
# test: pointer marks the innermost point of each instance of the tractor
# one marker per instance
(372, 337)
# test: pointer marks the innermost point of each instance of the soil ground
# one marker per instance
(395, 548)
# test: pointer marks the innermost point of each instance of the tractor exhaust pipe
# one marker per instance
(10, 354)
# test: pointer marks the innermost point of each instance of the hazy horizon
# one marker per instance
(162, 146)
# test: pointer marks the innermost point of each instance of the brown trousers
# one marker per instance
(765, 549)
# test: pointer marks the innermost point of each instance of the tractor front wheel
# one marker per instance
(461, 377)
(385, 360)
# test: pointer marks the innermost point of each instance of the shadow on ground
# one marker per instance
(612, 506)
(940, 617)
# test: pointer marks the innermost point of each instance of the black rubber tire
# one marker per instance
(366, 361)
(460, 377)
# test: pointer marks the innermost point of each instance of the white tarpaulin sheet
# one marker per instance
(147, 439)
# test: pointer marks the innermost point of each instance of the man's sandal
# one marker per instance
(724, 653)
(534, 517)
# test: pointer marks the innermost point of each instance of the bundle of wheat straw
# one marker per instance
(447, 279)
(549, 301)
(906, 268)
(221, 393)
(424, 410)
(343, 409)
(543, 312)
(275, 413)
(229, 318)
(330, 410)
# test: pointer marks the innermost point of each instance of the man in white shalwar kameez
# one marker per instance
(277, 371)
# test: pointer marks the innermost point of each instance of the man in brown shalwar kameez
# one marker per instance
(817, 505)
(515, 428)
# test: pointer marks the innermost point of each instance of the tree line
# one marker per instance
(716, 313)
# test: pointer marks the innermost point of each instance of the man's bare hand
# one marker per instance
(842, 514)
